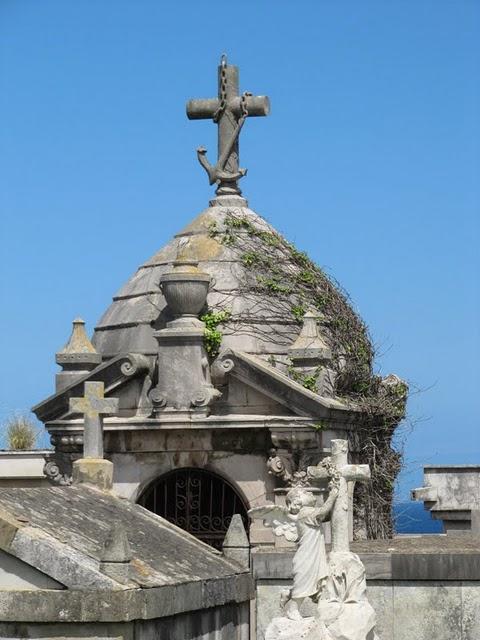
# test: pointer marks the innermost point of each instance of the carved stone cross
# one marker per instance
(93, 405)
(348, 473)
(229, 111)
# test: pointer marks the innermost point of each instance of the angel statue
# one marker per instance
(300, 521)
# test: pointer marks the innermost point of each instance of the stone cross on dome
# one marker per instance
(348, 473)
(93, 406)
(229, 111)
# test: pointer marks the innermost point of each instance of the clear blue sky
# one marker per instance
(369, 161)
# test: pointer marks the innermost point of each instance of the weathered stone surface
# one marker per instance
(285, 629)
(451, 493)
(81, 519)
(22, 468)
(428, 611)
(62, 563)
(68, 631)
(470, 610)
(380, 596)
(236, 546)
(115, 373)
(97, 473)
(15, 574)
(229, 622)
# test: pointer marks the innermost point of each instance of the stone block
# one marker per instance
(471, 610)
(118, 571)
(67, 631)
(435, 566)
(475, 522)
(93, 471)
(8, 529)
(380, 596)
(427, 611)
(268, 604)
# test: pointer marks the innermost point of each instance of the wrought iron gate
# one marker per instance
(196, 500)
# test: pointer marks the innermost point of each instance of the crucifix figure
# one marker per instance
(93, 405)
(229, 111)
(348, 473)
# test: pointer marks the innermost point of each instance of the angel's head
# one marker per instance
(296, 499)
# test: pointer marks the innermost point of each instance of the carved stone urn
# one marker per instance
(185, 289)
(184, 382)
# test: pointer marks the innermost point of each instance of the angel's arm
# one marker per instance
(322, 512)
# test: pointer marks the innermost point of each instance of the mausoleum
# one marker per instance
(229, 370)
(235, 361)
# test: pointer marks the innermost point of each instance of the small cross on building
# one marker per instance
(348, 473)
(93, 406)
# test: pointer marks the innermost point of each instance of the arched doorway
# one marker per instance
(196, 500)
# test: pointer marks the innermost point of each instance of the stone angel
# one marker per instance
(301, 522)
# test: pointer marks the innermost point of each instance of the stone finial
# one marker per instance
(116, 547)
(310, 347)
(311, 356)
(77, 357)
(116, 554)
(236, 546)
(184, 381)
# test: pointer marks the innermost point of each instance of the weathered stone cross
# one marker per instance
(93, 406)
(348, 473)
(229, 111)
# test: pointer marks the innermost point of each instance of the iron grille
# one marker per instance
(196, 500)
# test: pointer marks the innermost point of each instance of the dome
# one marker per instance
(261, 282)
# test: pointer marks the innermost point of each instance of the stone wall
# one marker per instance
(22, 468)
(417, 596)
(452, 494)
(406, 610)
(229, 622)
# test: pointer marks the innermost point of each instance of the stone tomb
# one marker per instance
(80, 562)
(223, 396)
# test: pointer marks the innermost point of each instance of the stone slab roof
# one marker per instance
(73, 522)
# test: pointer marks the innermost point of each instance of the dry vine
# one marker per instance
(280, 283)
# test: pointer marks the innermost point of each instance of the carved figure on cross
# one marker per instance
(348, 473)
(229, 111)
(93, 406)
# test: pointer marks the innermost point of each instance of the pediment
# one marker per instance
(241, 397)
(123, 377)
(279, 390)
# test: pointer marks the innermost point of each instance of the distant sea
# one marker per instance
(411, 517)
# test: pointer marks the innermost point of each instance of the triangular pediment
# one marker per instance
(241, 397)
(123, 378)
(248, 371)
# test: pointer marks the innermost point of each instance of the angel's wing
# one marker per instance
(276, 518)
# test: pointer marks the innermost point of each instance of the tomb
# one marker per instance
(219, 378)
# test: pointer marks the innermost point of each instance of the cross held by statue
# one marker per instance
(348, 473)
(93, 406)
(229, 111)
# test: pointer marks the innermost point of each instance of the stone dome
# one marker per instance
(233, 245)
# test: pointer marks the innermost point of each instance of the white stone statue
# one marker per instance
(301, 522)
(338, 585)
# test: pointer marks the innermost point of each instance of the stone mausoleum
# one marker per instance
(235, 361)
(228, 362)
